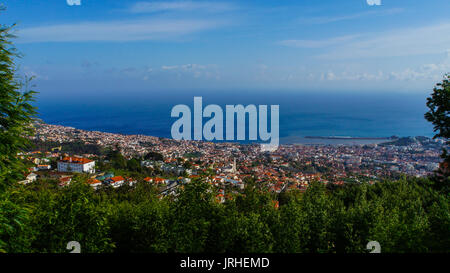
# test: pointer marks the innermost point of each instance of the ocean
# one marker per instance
(352, 114)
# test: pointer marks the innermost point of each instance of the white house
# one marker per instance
(116, 181)
(76, 164)
(95, 183)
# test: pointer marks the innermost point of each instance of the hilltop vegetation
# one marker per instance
(404, 216)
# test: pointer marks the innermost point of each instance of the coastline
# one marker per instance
(290, 140)
(348, 137)
(322, 140)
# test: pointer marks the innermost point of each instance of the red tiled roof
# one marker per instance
(65, 179)
(94, 181)
(117, 179)
(76, 160)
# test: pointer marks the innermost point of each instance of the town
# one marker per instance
(225, 165)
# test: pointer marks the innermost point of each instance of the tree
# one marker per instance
(191, 215)
(118, 161)
(15, 231)
(154, 156)
(316, 206)
(439, 116)
(439, 104)
(70, 214)
(140, 227)
(16, 112)
(134, 165)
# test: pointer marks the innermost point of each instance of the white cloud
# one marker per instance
(167, 67)
(184, 67)
(433, 72)
(333, 19)
(151, 7)
(347, 76)
(316, 43)
(330, 76)
(428, 72)
(433, 39)
(138, 30)
(195, 70)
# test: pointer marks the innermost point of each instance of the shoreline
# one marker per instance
(289, 140)
(293, 140)
(350, 138)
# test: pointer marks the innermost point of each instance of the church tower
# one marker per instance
(234, 169)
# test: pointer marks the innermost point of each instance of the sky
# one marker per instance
(115, 46)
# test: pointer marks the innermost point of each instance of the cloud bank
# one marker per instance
(127, 30)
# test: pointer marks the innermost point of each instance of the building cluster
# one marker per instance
(227, 165)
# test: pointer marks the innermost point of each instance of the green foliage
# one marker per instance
(69, 214)
(405, 216)
(439, 105)
(154, 156)
(118, 161)
(15, 119)
(15, 112)
(76, 147)
(190, 217)
(140, 227)
(15, 231)
(439, 116)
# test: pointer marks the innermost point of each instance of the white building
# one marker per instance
(116, 181)
(76, 164)
(95, 183)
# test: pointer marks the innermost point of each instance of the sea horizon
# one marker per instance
(320, 114)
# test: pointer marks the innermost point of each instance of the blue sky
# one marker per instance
(149, 46)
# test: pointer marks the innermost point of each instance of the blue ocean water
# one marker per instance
(354, 114)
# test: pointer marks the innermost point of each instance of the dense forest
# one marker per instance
(403, 216)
